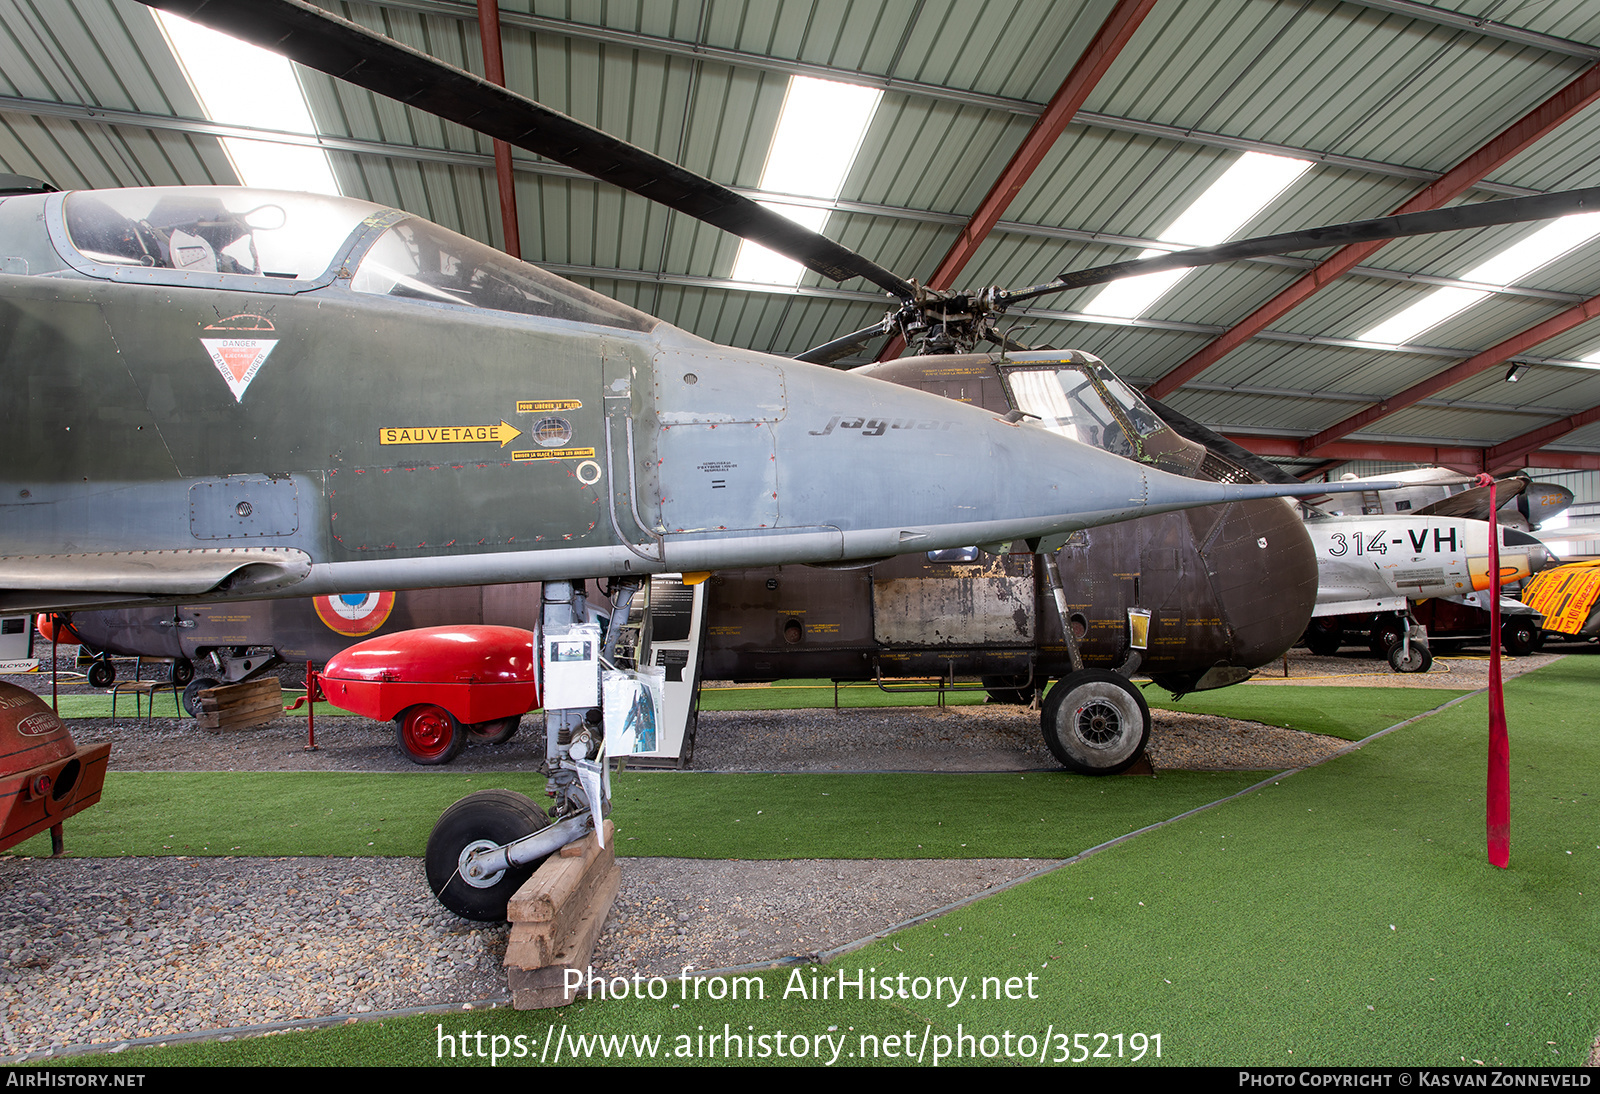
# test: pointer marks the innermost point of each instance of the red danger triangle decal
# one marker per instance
(238, 360)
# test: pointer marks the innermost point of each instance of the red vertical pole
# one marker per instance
(1497, 786)
(312, 687)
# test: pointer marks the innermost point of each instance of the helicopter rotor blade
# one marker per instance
(829, 352)
(347, 51)
(1457, 217)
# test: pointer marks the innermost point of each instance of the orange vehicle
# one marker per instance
(45, 778)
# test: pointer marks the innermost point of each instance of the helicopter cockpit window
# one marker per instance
(422, 261)
(1085, 402)
(213, 230)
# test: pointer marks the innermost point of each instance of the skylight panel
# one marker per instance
(818, 135)
(1249, 186)
(241, 84)
(1517, 261)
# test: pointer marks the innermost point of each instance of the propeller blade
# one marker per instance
(1456, 218)
(1474, 503)
(347, 51)
(829, 352)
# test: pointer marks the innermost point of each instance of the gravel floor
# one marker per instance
(103, 951)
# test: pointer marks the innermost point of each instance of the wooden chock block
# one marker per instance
(241, 706)
(555, 919)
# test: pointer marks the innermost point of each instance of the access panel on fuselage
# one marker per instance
(987, 601)
(718, 458)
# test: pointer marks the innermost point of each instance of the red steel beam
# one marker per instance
(1108, 42)
(1469, 460)
(1456, 457)
(494, 70)
(1515, 139)
(1515, 451)
(1520, 342)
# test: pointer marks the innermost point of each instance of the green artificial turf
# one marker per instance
(97, 704)
(1350, 713)
(1344, 915)
(1037, 815)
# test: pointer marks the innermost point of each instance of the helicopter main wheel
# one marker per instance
(487, 819)
(182, 671)
(1008, 689)
(1095, 722)
(497, 732)
(1415, 658)
(1519, 637)
(1324, 637)
(191, 693)
(102, 674)
(429, 734)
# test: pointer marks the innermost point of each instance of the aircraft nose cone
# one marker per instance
(1264, 573)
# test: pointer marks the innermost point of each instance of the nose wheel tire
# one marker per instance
(102, 674)
(1519, 637)
(1385, 635)
(429, 734)
(1095, 722)
(487, 819)
(497, 732)
(191, 693)
(1416, 659)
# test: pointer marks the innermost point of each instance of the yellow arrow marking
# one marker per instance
(504, 433)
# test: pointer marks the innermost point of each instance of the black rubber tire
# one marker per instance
(498, 816)
(102, 674)
(1008, 690)
(192, 690)
(497, 732)
(1418, 658)
(429, 734)
(1385, 635)
(182, 671)
(1095, 722)
(1324, 637)
(1518, 636)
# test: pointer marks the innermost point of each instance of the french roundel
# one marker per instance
(354, 614)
